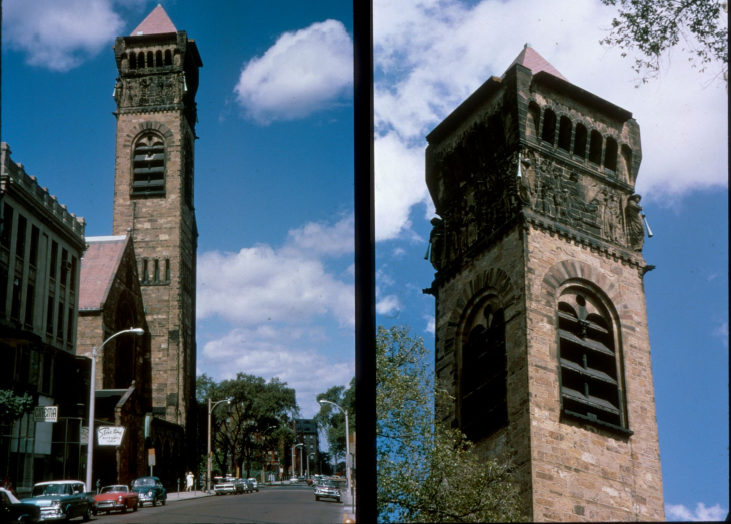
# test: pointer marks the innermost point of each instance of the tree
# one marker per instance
(13, 407)
(257, 420)
(426, 472)
(333, 420)
(656, 26)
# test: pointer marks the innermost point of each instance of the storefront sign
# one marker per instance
(109, 435)
(46, 414)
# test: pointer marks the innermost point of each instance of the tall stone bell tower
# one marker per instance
(541, 325)
(153, 197)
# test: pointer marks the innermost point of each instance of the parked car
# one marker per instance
(229, 486)
(115, 498)
(254, 484)
(329, 489)
(62, 500)
(150, 490)
(12, 510)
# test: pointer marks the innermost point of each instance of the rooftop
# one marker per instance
(156, 22)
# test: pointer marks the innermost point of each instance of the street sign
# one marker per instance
(109, 435)
(151, 457)
(84, 436)
(46, 414)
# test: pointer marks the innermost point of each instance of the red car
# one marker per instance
(113, 498)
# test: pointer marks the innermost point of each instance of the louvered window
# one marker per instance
(591, 382)
(484, 405)
(148, 166)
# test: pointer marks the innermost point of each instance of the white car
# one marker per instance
(328, 489)
(254, 484)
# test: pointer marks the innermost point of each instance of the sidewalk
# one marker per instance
(348, 507)
(174, 496)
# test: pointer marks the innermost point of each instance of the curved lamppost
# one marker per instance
(300, 445)
(92, 389)
(265, 461)
(210, 410)
(347, 436)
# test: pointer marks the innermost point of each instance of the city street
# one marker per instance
(280, 504)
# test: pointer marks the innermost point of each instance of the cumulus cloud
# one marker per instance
(60, 35)
(431, 54)
(678, 512)
(261, 284)
(303, 72)
(431, 326)
(389, 305)
(286, 353)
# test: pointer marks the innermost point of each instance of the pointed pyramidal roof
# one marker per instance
(156, 22)
(535, 62)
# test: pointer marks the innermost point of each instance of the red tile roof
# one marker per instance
(98, 268)
(535, 62)
(156, 22)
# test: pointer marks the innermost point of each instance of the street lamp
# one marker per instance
(210, 410)
(347, 435)
(308, 463)
(92, 388)
(265, 460)
(300, 445)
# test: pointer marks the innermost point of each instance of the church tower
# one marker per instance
(541, 325)
(153, 198)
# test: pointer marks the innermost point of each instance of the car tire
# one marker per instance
(94, 512)
(86, 517)
(164, 501)
(134, 508)
(154, 502)
(337, 500)
(317, 498)
(124, 509)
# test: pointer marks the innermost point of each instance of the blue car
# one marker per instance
(150, 490)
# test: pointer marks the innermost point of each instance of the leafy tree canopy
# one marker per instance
(333, 419)
(13, 407)
(655, 26)
(426, 472)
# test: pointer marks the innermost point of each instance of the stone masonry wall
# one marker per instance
(581, 473)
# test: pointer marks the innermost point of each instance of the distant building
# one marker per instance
(41, 244)
(541, 323)
(306, 433)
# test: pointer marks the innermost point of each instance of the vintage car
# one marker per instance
(12, 510)
(254, 484)
(150, 490)
(229, 486)
(115, 498)
(328, 489)
(62, 500)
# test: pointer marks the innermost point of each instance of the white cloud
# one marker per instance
(679, 512)
(303, 72)
(431, 54)
(290, 284)
(722, 332)
(60, 35)
(286, 353)
(389, 305)
(430, 324)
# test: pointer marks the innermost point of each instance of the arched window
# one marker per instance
(141, 60)
(549, 126)
(158, 59)
(626, 164)
(531, 121)
(168, 58)
(595, 147)
(580, 141)
(150, 59)
(148, 166)
(483, 389)
(564, 134)
(589, 358)
(132, 61)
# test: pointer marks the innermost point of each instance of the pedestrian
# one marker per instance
(189, 481)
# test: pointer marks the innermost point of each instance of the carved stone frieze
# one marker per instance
(151, 90)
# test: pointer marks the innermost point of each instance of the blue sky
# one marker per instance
(274, 168)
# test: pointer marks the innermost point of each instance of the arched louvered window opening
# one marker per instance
(580, 141)
(590, 362)
(141, 60)
(532, 120)
(188, 182)
(549, 126)
(150, 59)
(595, 147)
(610, 155)
(148, 165)
(564, 133)
(626, 164)
(168, 58)
(158, 59)
(483, 387)
(132, 61)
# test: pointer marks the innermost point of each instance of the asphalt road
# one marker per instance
(281, 504)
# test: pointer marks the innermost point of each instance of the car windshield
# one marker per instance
(143, 482)
(330, 484)
(51, 489)
(114, 489)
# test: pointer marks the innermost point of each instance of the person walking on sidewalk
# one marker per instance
(189, 481)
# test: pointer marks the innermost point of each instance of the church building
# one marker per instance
(541, 324)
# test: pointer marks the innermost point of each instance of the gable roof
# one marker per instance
(156, 22)
(529, 58)
(98, 269)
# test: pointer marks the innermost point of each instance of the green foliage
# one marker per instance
(655, 26)
(425, 472)
(258, 419)
(13, 407)
(333, 419)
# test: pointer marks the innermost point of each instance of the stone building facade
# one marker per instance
(153, 198)
(541, 326)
